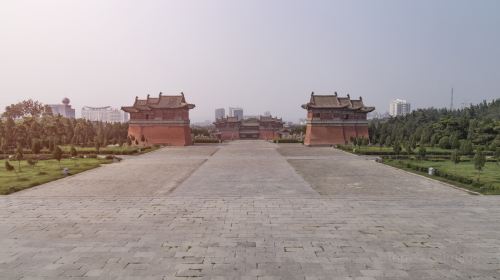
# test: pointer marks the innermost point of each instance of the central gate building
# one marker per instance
(263, 127)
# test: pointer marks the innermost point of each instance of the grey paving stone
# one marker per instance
(248, 210)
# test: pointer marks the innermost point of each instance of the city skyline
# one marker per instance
(106, 53)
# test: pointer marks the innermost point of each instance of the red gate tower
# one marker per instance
(335, 120)
(160, 120)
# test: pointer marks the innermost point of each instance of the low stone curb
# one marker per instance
(416, 174)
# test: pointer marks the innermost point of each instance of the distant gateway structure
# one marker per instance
(160, 120)
(263, 127)
(335, 120)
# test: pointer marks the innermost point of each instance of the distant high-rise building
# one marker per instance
(236, 112)
(267, 113)
(220, 113)
(399, 107)
(104, 114)
(63, 109)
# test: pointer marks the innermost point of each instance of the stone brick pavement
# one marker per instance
(348, 218)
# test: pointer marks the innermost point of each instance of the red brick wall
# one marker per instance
(331, 135)
(230, 135)
(267, 135)
(162, 134)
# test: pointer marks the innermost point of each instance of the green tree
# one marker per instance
(35, 146)
(479, 161)
(426, 135)
(408, 147)
(455, 157)
(3, 146)
(396, 147)
(497, 155)
(51, 144)
(466, 147)
(73, 152)
(26, 108)
(120, 142)
(422, 152)
(478, 123)
(10, 129)
(413, 141)
(19, 156)
(97, 145)
(444, 142)
(388, 141)
(454, 143)
(434, 140)
(57, 154)
(354, 141)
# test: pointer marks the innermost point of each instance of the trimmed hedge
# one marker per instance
(352, 149)
(205, 140)
(438, 172)
(475, 185)
(288, 141)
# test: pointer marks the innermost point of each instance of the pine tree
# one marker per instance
(396, 147)
(422, 152)
(479, 161)
(455, 158)
(466, 147)
(73, 151)
(97, 145)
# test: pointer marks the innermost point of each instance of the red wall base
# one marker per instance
(230, 135)
(162, 134)
(267, 135)
(332, 135)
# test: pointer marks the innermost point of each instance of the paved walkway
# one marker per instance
(248, 210)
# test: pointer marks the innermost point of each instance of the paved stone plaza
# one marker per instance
(248, 210)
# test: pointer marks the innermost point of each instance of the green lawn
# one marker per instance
(489, 176)
(116, 149)
(45, 171)
(363, 149)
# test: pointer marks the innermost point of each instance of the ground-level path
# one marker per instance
(248, 210)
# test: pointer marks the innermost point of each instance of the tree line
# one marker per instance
(476, 126)
(31, 125)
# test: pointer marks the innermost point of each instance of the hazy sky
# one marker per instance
(260, 55)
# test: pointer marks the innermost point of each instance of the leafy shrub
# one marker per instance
(32, 162)
(8, 166)
(73, 152)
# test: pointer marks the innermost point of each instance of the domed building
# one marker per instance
(63, 109)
